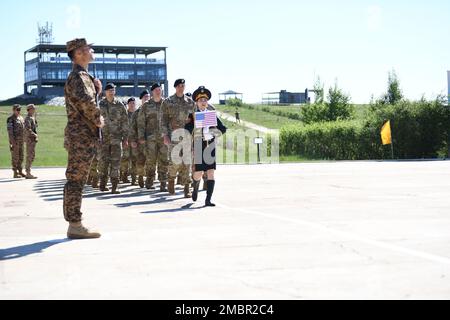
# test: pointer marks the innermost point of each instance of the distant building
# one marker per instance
(230, 94)
(284, 97)
(130, 68)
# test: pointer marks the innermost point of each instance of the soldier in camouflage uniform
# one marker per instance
(16, 127)
(31, 138)
(128, 162)
(175, 114)
(93, 171)
(139, 148)
(82, 130)
(149, 133)
(115, 135)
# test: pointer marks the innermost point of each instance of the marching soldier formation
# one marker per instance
(107, 140)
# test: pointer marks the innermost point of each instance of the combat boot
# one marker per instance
(141, 181)
(195, 192)
(30, 176)
(187, 191)
(94, 183)
(171, 187)
(149, 184)
(16, 175)
(133, 179)
(115, 183)
(162, 187)
(21, 173)
(78, 231)
(103, 186)
(209, 191)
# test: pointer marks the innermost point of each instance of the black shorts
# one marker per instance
(206, 166)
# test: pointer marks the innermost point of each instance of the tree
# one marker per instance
(394, 93)
(318, 91)
(339, 107)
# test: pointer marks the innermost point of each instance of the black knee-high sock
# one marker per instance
(209, 191)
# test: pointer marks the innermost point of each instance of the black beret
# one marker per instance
(131, 99)
(110, 86)
(201, 92)
(179, 81)
(155, 85)
(143, 93)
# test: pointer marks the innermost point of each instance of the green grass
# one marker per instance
(49, 150)
(258, 116)
(52, 121)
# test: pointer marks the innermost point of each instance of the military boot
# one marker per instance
(162, 187)
(141, 182)
(187, 191)
(78, 231)
(115, 184)
(171, 187)
(103, 186)
(30, 176)
(195, 192)
(21, 173)
(210, 189)
(149, 184)
(133, 179)
(16, 175)
(94, 182)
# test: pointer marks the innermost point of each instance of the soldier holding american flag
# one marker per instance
(205, 128)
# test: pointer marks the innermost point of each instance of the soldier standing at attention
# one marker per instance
(16, 127)
(115, 136)
(175, 114)
(83, 120)
(149, 134)
(139, 148)
(31, 138)
(128, 162)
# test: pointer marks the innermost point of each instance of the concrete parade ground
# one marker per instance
(323, 230)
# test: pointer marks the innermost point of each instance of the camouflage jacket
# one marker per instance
(133, 132)
(175, 113)
(30, 128)
(16, 128)
(83, 115)
(116, 121)
(149, 120)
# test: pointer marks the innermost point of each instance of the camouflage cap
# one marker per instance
(31, 106)
(16, 107)
(76, 43)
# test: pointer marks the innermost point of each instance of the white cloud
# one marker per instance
(73, 20)
(374, 17)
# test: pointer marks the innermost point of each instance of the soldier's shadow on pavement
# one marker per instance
(50, 190)
(185, 208)
(28, 249)
(155, 199)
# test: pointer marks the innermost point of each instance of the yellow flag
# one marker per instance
(386, 137)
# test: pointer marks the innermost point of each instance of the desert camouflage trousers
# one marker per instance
(17, 155)
(110, 155)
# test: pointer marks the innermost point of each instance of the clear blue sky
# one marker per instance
(253, 46)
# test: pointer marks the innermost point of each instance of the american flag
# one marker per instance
(205, 119)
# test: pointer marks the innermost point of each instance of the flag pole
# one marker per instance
(392, 149)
